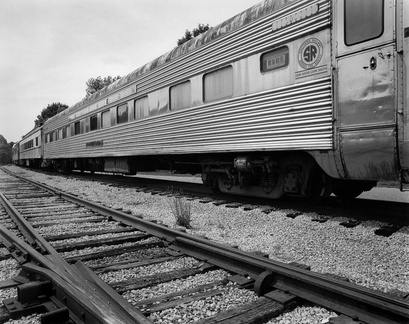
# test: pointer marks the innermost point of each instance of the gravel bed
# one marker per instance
(304, 315)
(358, 254)
(134, 296)
(106, 248)
(31, 319)
(143, 254)
(7, 293)
(127, 274)
(9, 270)
(93, 237)
(76, 228)
(231, 297)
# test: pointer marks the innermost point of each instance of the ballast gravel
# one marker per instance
(143, 254)
(132, 273)
(357, 254)
(139, 295)
(9, 270)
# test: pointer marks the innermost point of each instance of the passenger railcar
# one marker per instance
(16, 153)
(28, 151)
(288, 97)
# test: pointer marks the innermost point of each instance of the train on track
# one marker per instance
(290, 97)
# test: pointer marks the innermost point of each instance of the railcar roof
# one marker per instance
(33, 131)
(252, 14)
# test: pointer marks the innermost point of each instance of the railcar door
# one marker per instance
(366, 108)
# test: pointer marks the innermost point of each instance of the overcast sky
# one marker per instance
(50, 48)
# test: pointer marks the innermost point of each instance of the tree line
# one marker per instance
(5, 151)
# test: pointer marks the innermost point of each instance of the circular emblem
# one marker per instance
(310, 53)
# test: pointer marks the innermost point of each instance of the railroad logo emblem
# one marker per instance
(310, 53)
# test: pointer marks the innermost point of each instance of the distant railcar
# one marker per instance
(16, 153)
(289, 97)
(28, 151)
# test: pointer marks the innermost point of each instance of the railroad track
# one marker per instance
(393, 214)
(82, 243)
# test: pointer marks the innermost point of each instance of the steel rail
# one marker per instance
(90, 298)
(343, 297)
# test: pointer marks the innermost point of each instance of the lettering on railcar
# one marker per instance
(94, 144)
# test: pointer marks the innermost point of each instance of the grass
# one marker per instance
(181, 209)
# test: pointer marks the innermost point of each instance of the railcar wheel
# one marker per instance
(319, 185)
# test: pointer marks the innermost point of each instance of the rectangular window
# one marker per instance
(60, 133)
(218, 85)
(77, 128)
(66, 132)
(141, 109)
(122, 114)
(37, 141)
(94, 122)
(180, 96)
(363, 20)
(105, 119)
(276, 59)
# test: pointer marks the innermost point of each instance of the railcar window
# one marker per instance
(37, 141)
(105, 119)
(141, 109)
(77, 128)
(122, 114)
(218, 84)
(276, 59)
(65, 132)
(94, 122)
(180, 96)
(60, 133)
(363, 20)
(28, 145)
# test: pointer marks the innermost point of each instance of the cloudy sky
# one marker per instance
(50, 48)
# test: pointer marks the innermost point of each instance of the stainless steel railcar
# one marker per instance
(289, 97)
(28, 151)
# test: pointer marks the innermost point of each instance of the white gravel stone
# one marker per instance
(127, 274)
(106, 248)
(7, 293)
(145, 253)
(30, 319)
(231, 297)
(134, 296)
(355, 253)
(93, 237)
(9, 269)
(304, 315)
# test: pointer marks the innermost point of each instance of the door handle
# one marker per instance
(372, 63)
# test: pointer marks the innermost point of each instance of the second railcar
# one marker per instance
(30, 149)
(289, 97)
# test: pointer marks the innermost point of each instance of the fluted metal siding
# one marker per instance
(297, 117)
(250, 39)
